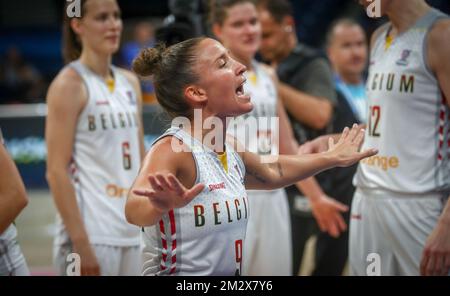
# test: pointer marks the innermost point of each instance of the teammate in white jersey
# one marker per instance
(400, 213)
(267, 248)
(95, 144)
(13, 200)
(196, 209)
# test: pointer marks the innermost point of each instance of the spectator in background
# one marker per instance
(347, 51)
(307, 90)
(144, 37)
(20, 82)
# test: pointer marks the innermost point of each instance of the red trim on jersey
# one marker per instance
(442, 122)
(164, 245)
(173, 239)
(73, 170)
(173, 229)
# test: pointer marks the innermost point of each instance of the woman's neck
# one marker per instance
(99, 64)
(403, 14)
(209, 129)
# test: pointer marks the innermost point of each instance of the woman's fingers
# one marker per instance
(359, 139)
(344, 135)
(330, 143)
(163, 181)
(155, 184)
(353, 132)
(176, 185)
(367, 153)
(144, 192)
(194, 191)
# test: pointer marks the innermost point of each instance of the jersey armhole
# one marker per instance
(88, 94)
(426, 64)
(174, 135)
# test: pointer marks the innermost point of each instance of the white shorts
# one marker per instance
(267, 246)
(388, 231)
(12, 261)
(113, 260)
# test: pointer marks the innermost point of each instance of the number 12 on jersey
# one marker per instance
(374, 120)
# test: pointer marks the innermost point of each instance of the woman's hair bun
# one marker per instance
(148, 62)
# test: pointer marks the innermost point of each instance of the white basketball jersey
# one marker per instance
(106, 159)
(206, 236)
(408, 119)
(258, 129)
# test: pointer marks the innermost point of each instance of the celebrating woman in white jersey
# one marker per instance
(267, 248)
(94, 142)
(190, 193)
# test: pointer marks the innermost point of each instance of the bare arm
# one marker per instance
(310, 110)
(66, 98)
(287, 169)
(161, 184)
(436, 254)
(13, 197)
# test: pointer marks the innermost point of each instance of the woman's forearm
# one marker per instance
(139, 211)
(64, 196)
(286, 170)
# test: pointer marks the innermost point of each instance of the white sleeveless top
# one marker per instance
(106, 160)
(408, 119)
(206, 236)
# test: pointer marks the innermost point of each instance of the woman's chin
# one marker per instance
(247, 107)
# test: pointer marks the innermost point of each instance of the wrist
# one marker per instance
(80, 242)
(315, 198)
(330, 159)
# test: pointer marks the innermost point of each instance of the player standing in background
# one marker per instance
(95, 144)
(400, 210)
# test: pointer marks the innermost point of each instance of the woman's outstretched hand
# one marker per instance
(346, 150)
(167, 192)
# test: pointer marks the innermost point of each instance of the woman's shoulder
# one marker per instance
(68, 83)
(68, 76)
(169, 151)
(130, 76)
